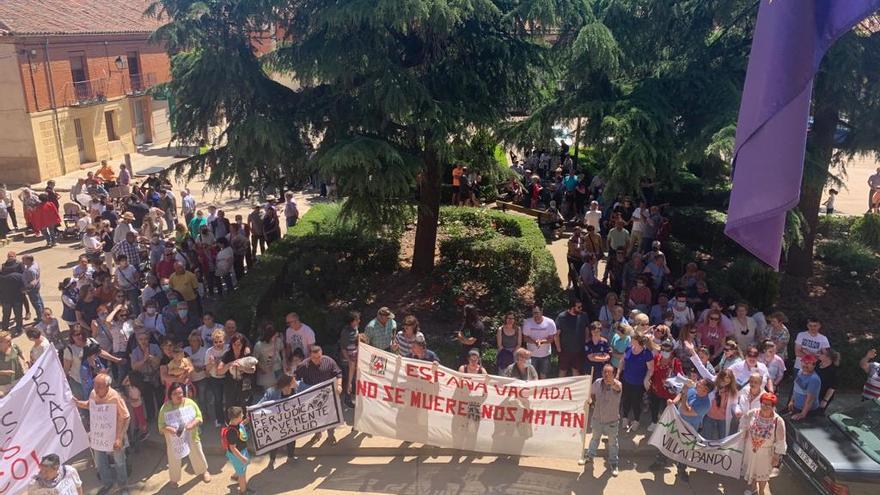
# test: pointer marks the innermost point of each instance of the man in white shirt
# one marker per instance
(809, 342)
(593, 216)
(297, 335)
(538, 332)
(638, 224)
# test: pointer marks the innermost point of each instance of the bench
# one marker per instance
(544, 219)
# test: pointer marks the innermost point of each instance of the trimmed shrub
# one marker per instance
(754, 282)
(494, 255)
(702, 228)
(835, 226)
(849, 256)
(867, 230)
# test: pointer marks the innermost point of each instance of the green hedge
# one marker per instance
(702, 229)
(849, 256)
(497, 254)
(867, 230)
(835, 226)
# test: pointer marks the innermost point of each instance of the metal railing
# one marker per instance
(140, 83)
(89, 92)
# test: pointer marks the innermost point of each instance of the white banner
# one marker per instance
(179, 418)
(280, 422)
(423, 402)
(678, 441)
(38, 417)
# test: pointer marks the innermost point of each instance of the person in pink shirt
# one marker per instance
(712, 334)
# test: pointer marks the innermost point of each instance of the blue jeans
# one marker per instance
(36, 301)
(610, 430)
(542, 366)
(49, 235)
(117, 473)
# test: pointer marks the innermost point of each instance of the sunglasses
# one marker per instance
(729, 349)
(752, 354)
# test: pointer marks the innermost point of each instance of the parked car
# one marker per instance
(838, 454)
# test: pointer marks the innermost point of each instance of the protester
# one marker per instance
(12, 296)
(239, 367)
(774, 363)
(605, 395)
(55, 478)
(636, 369)
(508, 339)
(720, 420)
(809, 342)
(297, 335)
(470, 333)
(380, 331)
(12, 366)
(474, 366)
(693, 405)
(103, 393)
(421, 352)
(31, 280)
(539, 332)
(216, 374)
(570, 339)
(871, 389)
(826, 369)
(745, 328)
(319, 368)
(777, 333)
(146, 358)
(765, 444)
(521, 369)
(597, 350)
(285, 386)
(177, 401)
(234, 439)
(348, 356)
(620, 342)
(666, 366)
(268, 352)
(750, 395)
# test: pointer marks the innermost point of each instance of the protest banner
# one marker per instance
(280, 422)
(178, 419)
(102, 426)
(678, 441)
(38, 417)
(418, 401)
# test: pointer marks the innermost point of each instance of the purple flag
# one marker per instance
(791, 37)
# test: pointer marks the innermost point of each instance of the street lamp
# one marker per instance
(120, 62)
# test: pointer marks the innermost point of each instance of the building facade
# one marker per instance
(75, 86)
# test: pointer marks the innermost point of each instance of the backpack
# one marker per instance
(223, 441)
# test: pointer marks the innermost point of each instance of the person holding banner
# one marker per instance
(179, 421)
(112, 418)
(764, 444)
(693, 404)
(521, 369)
(55, 478)
(284, 387)
(605, 399)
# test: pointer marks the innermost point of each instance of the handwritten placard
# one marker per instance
(102, 419)
(179, 418)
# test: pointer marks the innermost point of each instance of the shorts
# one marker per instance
(571, 361)
(455, 189)
(237, 465)
(542, 365)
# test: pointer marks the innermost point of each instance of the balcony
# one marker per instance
(138, 84)
(83, 93)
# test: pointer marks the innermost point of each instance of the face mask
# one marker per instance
(183, 313)
(666, 354)
(680, 304)
(151, 311)
(166, 287)
(668, 323)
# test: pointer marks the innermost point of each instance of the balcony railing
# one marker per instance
(139, 83)
(89, 92)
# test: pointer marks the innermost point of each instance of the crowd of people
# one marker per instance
(136, 329)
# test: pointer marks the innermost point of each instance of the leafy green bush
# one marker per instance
(835, 226)
(867, 230)
(494, 255)
(754, 282)
(849, 256)
(701, 228)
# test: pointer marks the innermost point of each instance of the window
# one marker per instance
(78, 68)
(109, 118)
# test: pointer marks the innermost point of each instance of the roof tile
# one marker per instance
(55, 17)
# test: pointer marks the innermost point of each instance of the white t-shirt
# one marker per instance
(304, 338)
(593, 218)
(217, 357)
(539, 331)
(638, 223)
(810, 345)
(120, 332)
(38, 350)
(68, 481)
(198, 360)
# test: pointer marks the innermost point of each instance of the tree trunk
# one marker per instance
(820, 150)
(428, 215)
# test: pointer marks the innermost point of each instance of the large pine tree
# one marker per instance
(383, 88)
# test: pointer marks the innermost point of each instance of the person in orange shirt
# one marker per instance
(106, 173)
(456, 182)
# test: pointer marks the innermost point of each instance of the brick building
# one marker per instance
(75, 77)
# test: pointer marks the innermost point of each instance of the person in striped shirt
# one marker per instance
(871, 390)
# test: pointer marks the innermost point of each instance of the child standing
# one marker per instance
(136, 406)
(234, 439)
(829, 203)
